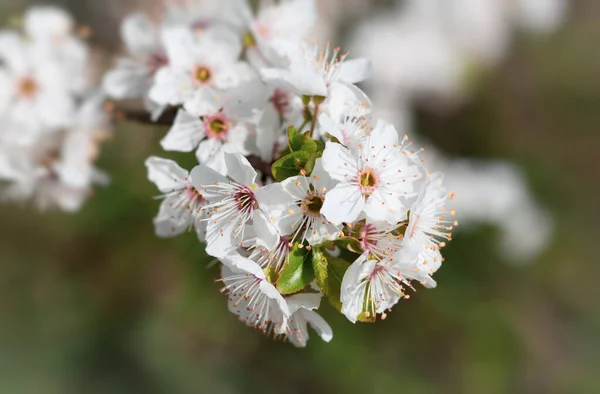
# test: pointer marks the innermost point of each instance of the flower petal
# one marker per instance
(185, 134)
(343, 203)
(166, 174)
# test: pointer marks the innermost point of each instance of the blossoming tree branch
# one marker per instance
(299, 193)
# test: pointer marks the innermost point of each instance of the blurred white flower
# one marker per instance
(199, 65)
(133, 76)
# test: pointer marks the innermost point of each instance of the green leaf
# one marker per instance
(295, 139)
(289, 165)
(310, 164)
(320, 266)
(298, 272)
(320, 145)
(309, 145)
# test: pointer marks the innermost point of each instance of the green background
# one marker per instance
(95, 303)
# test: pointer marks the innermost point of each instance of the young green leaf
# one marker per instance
(320, 267)
(289, 165)
(298, 273)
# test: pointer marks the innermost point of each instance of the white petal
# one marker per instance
(185, 134)
(320, 178)
(307, 301)
(203, 175)
(318, 324)
(244, 264)
(140, 35)
(382, 206)
(298, 82)
(219, 238)
(339, 161)
(167, 224)
(265, 231)
(270, 291)
(329, 126)
(384, 134)
(13, 52)
(180, 44)
(128, 79)
(355, 70)
(353, 291)
(166, 174)
(6, 90)
(239, 169)
(56, 109)
(171, 87)
(273, 196)
(343, 203)
(47, 23)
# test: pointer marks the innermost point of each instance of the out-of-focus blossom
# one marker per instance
(52, 120)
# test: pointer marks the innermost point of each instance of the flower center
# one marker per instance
(194, 196)
(245, 200)
(249, 40)
(312, 205)
(368, 180)
(366, 237)
(203, 74)
(28, 87)
(216, 126)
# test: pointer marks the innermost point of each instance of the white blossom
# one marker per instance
(256, 301)
(302, 314)
(181, 208)
(374, 180)
(295, 206)
(232, 203)
(199, 63)
(133, 76)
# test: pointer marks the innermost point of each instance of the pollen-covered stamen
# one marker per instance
(195, 200)
(185, 201)
(245, 200)
(310, 207)
(296, 330)
(352, 128)
(431, 220)
(329, 62)
(274, 258)
(368, 181)
(27, 87)
(202, 74)
(236, 207)
(379, 240)
(312, 204)
(381, 285)
(253, 306)
(217, 126)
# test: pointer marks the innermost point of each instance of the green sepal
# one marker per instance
(298, 272)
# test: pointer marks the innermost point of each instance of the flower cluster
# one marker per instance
(52, 119)
(299, 193)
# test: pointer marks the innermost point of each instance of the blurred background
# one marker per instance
(506, 102)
